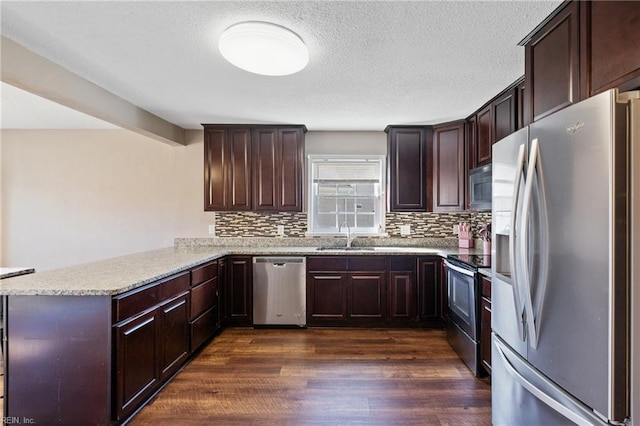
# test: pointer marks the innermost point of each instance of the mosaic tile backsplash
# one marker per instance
(423, 225)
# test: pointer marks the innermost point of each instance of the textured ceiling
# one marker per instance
(371, 63)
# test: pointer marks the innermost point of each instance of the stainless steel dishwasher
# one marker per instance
(279, 291)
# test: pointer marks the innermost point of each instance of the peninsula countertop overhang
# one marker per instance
(120, 274)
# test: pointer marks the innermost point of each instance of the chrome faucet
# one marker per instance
(349, 237)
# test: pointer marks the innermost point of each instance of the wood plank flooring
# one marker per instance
(321, 376)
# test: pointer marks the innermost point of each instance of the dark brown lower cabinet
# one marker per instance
(429, 290)
(376, 291)
(444, 296)
(366, 295)
(151, 340)
(222, 292)
(402, 296)
(240, 291)
(346, 290)
(485, 324)
(204, 312)
(326, 298)
(174, 335)
(137, 372)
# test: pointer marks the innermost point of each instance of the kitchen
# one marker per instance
(173, 173)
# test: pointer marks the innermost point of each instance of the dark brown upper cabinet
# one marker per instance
(495, 120)
(582, 49)
(610, 56)
(484, 137)
(552, 66)
(470, 155)
(227, 168)
(504, 115)
(448, 167)
(253, 168)
(409, 165)
(520, 104)
(277, 169)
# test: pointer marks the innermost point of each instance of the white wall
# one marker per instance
(74, 196)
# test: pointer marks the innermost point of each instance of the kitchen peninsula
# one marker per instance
(96, 341)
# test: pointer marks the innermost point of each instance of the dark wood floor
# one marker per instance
(323, 377)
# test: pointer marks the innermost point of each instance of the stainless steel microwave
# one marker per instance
(480, 188)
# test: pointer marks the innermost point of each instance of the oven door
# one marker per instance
(461, 290)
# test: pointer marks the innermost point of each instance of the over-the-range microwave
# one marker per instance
(480, 188)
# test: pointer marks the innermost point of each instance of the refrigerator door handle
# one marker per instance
(534, 173)
(512, 244)
(554, 397)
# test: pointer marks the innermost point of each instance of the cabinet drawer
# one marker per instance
(328, 263)
(204, 273)
(203, 297)
(203, 328)
(174, 286)
(486, 287)
(139, 300)
(132, 303)
(402, 263)
(368, 263)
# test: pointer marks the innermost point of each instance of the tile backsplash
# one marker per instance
(423, 225)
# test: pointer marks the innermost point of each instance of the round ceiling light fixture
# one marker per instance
(263, 48)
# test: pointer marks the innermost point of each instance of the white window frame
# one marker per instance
(378, 229)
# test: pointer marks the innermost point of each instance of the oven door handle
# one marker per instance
(459, 269)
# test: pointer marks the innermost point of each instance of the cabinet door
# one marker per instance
(222, 292)
(485, 334)
(471, 137)
(326, 298)
(240, 291)
(484, 137)
(227, 169)
(407, 169)
(215, 170)
(504, 115)
(137, 363)
(239, 171)
(522, 120)
(174, 335)
(552, 69)
(290, 166)
(428, 289)
(277, 169)
(443, 297)
(448, 168)
(366, 295)
(265, 169)
(610, 53)
(402, 296)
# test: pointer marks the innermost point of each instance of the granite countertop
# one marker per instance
(120, 274)
(14, 272)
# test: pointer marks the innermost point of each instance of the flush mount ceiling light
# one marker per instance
(263, 48)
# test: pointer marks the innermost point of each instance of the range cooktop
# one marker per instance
(473, 260)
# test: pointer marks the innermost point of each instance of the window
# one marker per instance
(346, 189)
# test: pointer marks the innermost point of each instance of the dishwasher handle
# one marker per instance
(279, 262)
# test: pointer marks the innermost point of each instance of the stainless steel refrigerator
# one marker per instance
(566, 255)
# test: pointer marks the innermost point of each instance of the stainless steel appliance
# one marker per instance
(463, 302)
(565, 290)
(480, 188)
(279, 291)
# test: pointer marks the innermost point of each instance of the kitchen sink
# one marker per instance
(346, 248)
